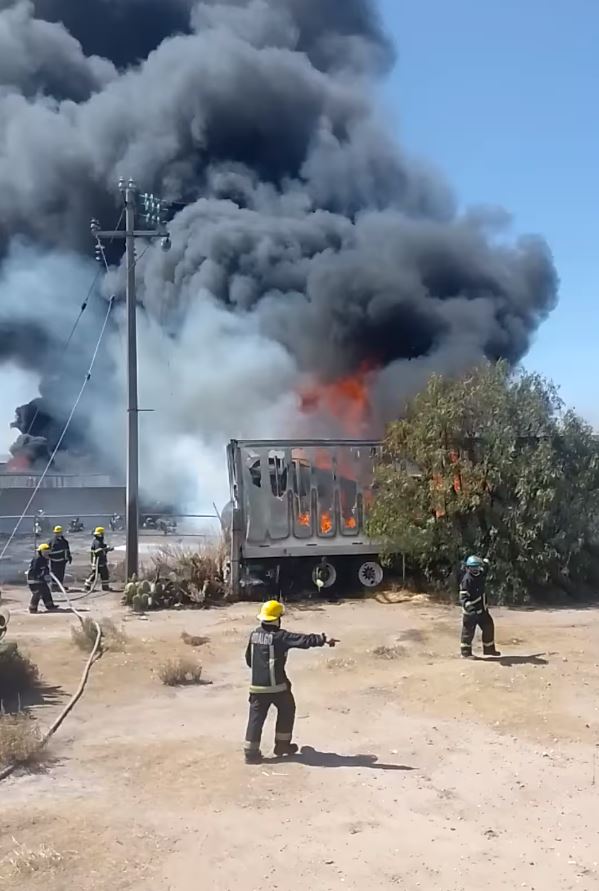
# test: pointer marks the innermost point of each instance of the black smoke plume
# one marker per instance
(305, 241)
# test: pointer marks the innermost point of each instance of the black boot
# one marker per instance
(491, 651)
(285, 748)
(253, 757)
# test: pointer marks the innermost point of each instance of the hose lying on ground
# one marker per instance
(7, 771)
(70, 600)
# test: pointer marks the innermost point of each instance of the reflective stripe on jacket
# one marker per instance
(266, 655)
(472, 592)
(60, 551)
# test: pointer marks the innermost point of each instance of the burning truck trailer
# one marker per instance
(298, 512)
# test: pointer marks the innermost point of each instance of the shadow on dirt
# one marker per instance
(509, 661)
(40, 696)
(313, 758)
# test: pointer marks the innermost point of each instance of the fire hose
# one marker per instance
(95, 653)
(85, 594)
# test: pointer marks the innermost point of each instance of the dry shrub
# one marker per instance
(384, 652)
(192, 640)
(180, 577)
(118, 571)
(177, 672)
(340, 663)
(84, 635)
(20, 741)
(23, 861)
(397, 594)
(202, 568)
(18, 674)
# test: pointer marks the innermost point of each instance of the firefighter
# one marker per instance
(99, 558)
(60, 555)
(474, 608)
(38, 579)
(266, 656)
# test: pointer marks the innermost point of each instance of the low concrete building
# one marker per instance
(62, 497)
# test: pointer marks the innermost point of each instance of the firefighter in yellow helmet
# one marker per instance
(99, 559)
(38, 579)
(60, 555)
(266, 656)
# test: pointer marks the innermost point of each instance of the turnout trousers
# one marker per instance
(40, 591)
(470, 622)
(260, 704)
(58, 568)
(102, 575)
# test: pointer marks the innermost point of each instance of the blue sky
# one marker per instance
(503, 97)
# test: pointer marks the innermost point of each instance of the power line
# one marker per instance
(82, 309)
(64, 431)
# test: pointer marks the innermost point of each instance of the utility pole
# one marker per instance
(154, 213)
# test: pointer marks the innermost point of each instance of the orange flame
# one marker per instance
(304, 519)
(350, 523)
(437, 483)
(326, 524)
(17, 464)
(346, 399)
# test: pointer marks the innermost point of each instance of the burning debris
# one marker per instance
(317, 274)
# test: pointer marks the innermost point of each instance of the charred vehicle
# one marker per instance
(297, 515)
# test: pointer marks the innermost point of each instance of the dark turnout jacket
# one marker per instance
(266, 655)
(60, 551)
(472, 592)
(99, 550)
(39, 571)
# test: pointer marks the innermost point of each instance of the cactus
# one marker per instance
(130, 592)
(166, 593)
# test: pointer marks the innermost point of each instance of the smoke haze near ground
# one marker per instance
(305, 242)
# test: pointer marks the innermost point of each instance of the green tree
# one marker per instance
(490, 463)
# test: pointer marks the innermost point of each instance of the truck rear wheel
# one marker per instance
(370, 574)
(332, 576)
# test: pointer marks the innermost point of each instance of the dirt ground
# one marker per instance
(419, 770)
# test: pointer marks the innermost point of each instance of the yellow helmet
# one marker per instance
(58, 530)
(271, 611)
(43, 547)
(99, 530)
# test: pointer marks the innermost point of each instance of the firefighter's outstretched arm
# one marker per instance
(293, 641)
